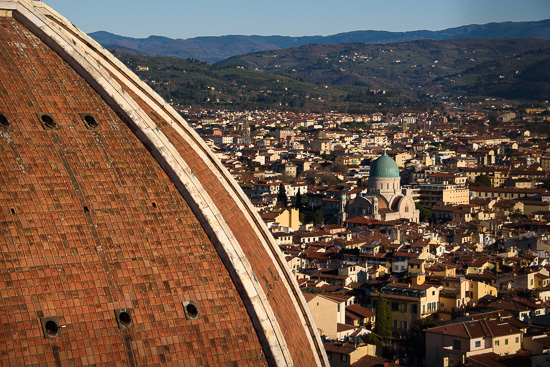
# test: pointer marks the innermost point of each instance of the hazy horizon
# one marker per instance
(315, 35)
(138, 19)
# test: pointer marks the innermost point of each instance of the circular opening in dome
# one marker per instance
(125, 318)
(91, 121)
(4, 122)
(48, 121)
(192, 310)
(51, 328)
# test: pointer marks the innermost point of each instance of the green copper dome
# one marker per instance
(384, 166)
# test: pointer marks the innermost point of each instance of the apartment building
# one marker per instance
(409, 302)
(451, 345)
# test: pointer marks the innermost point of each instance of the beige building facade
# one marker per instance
(451, 345)
(410, 302)
(325, 314)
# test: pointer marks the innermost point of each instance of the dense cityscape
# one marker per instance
(441, 217)
(361, 199)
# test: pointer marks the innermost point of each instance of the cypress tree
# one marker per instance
(383, 326)
(282, 199)
(318, 218)
(298, 204)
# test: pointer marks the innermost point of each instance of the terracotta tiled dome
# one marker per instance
(123, 239)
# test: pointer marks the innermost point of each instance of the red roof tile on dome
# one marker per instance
(104, 228)
(382, 202)
(100, 225)
(280, 300)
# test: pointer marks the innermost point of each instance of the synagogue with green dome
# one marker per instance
(385, 200)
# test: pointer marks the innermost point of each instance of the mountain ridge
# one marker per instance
(217, 48)
(355, 77)
(494, 67)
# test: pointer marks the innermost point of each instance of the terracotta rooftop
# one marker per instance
(344, 327)
(544, 341)
(360, 311)
(370, 361)
(477, 329)
(522, 358)
(340, 347)
(509, 190)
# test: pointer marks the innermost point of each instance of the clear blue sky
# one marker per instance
(186, 19)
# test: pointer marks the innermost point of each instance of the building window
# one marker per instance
(497, 342)
(478, 343)
(395, 306)
(395, 324)
(457, 344)
(517, 339)
(406, 208)
(505, 341)
(344, 357)
(414, 309)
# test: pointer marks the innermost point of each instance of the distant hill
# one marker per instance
(355, 77)
(513, 68)
(213, 49)
(194, 83)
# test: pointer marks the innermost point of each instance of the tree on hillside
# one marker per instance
(371, 338)
(329, 179)
(318, 218)
(340, 168)
(425, 214)
(517, 214)
(483, 181)
(282, 199)
(252, 165)
(383, 326)
(416, 340)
